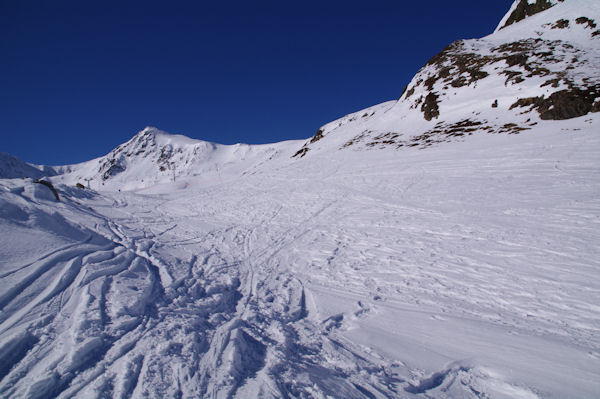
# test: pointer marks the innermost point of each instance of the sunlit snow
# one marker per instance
(465, 269)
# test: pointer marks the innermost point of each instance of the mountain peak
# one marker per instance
(151, 130)
(522, 9)
(541, 67)
(151, 134)
(12, 167)
(153, 156)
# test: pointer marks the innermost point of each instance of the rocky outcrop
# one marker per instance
(564, 104)
(524, 9)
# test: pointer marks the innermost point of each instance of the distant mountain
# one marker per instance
(152, 157)
(541, 64)
(11, 167)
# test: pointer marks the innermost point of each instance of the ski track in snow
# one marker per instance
(383, 281)
(435, 265)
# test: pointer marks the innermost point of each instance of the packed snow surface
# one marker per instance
(444, 245)
(369, 274)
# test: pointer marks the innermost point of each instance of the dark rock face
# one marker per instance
(584, 20)
(301, 152)
(144, 145)
(318, 136)
(561, 24)
(430, 107)
(524, 10)
(564, 104)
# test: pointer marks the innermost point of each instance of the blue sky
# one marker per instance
(79, 78)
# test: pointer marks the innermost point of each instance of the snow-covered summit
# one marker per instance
(541, 66)
(153, 157)
(11, 167)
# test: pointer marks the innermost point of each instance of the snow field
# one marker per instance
(466, 268)
(362, 275)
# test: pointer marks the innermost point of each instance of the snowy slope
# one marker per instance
(542, 68)
(152, 157)
(12, 168)
(355, 276)
(358, 268)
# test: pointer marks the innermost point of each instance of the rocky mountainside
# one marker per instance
(541, 64)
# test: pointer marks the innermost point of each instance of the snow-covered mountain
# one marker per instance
(12, 167)
(442, 245)
(540, 64)
(152, 157)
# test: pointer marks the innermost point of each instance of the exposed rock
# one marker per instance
(430, 107)
(301, 152)
(564, 104)
(356, 139)
(561, 24)
(318, 136)
(584, 20)
(524, 10)
(532, 62)
(384, 139)
(458, 66)
(455, 61)
(111, 167)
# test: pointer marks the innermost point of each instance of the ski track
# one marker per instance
(392, 256)
(269, 289)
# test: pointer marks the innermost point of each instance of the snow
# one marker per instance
(12, 167)
(507, 15)
(569, 56)
(465, 269)
(367, 273)
(153, 157)
(540, 24)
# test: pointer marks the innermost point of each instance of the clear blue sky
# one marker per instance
(77, 78)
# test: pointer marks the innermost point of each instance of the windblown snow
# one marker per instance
(352, 265)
